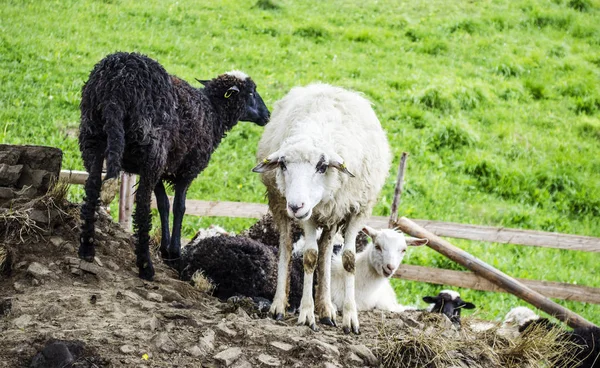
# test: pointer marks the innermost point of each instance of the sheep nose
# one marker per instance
(390, 267)
(295, 208)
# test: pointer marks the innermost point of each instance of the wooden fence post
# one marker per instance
(398, 190)
(126, 198)
(492, 274)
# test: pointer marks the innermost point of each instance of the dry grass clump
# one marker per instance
(23, 217)
(437, 346)
(202, 283)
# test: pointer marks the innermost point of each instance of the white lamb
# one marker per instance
(374, 267)
(313, 130)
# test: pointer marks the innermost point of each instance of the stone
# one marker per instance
(195, 351)
(365, 354)
(112, 265)
(242, 363)
(207, 341)
(229, 356)
(7, 193)
(38, 270)
(150, 324)
(10, 174)
(269, 360)
(164, 343)
(127, 349)
(154, 297)
(353, 358)
(22, 321)
(282, 345)
(326, 348)
(226, 330)
(19, 287)
(9, 157)
(57, 240)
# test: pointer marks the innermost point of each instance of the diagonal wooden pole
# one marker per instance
(398, 190)
(494, 275)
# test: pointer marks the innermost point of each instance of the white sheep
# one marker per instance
(313, 130)
(375, 265)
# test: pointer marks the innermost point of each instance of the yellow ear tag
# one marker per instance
(228, 94)
(266, 161)
(343, 166)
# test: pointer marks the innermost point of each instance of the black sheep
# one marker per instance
(585, 340)
(147, 122)
(449, 303)
(236, 265)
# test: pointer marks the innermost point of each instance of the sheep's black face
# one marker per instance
(256, 111)
(236, 92)
(448, 305)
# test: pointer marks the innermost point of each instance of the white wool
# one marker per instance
(514, 319)
(213, 230)
(238, 74)
(453, 294)
(320, 119)
(518, 316)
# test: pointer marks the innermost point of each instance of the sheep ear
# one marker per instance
(337, 162)
(269, 163)
(416, 242)
(370, 231)
(467, 305)
(430, 299)
(231, 91)
(204, 82)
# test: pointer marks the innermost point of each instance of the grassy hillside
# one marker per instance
(497, 102)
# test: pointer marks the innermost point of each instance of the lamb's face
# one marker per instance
(389, 248)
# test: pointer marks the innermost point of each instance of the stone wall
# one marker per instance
(27, 170)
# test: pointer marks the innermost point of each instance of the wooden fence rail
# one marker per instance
(447, 229)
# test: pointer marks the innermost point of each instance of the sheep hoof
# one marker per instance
(87, 254)
(346, 330)
(327, 321)
(314, 327)
(147, 273)
(356, 330)
(278, 317)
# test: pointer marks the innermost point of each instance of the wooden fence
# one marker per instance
(463, 279)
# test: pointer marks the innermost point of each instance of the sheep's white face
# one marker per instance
(389, 248)
(305, 175)
(304, 185)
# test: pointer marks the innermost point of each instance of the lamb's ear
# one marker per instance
(269, 163)
(232, 90)
(337, 162)
(203, 81)
(416, 242)
(371, 232)
(430, 299)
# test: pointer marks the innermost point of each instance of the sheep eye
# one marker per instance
(321, 168)
(378, 248)
(282, 166)
(251, 94)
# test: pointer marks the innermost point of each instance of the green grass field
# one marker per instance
(497, 102)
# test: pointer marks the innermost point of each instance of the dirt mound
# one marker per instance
(102, 314)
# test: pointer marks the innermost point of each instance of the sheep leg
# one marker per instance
(162, 202)
(277, 309)
(325, 308)
(309, 259)
(93, 185)
(174, 251)
(349, 313)
(142, 223)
